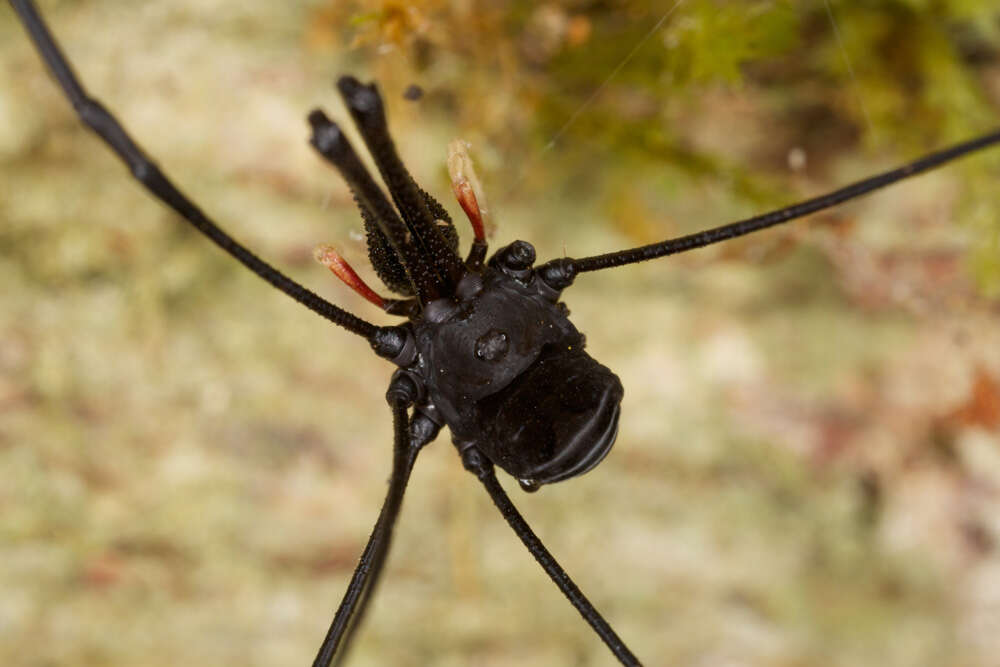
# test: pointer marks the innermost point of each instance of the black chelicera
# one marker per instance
(486, 349)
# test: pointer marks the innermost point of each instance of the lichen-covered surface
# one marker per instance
(808, 469)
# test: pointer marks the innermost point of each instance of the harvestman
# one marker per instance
(487, 348)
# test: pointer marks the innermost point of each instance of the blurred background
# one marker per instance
(808, 468)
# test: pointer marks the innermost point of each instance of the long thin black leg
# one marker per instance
(422, 431)
(98, 119)
(408, 439)
(476, 463)
(756, 223)
(373, 557)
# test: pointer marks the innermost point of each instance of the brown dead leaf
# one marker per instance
(983, 405)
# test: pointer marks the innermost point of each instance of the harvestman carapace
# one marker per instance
(486, 348)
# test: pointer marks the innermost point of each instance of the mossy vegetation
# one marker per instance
(811, 432)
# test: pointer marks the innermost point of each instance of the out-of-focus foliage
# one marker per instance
(899, 75)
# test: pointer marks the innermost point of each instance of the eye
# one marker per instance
(492, 345)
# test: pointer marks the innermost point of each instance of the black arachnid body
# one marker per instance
(491, 352)
(507, 372)
(487, 350)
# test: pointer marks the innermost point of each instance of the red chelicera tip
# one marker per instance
(467, 198)
(464, 184)
(329, 257)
